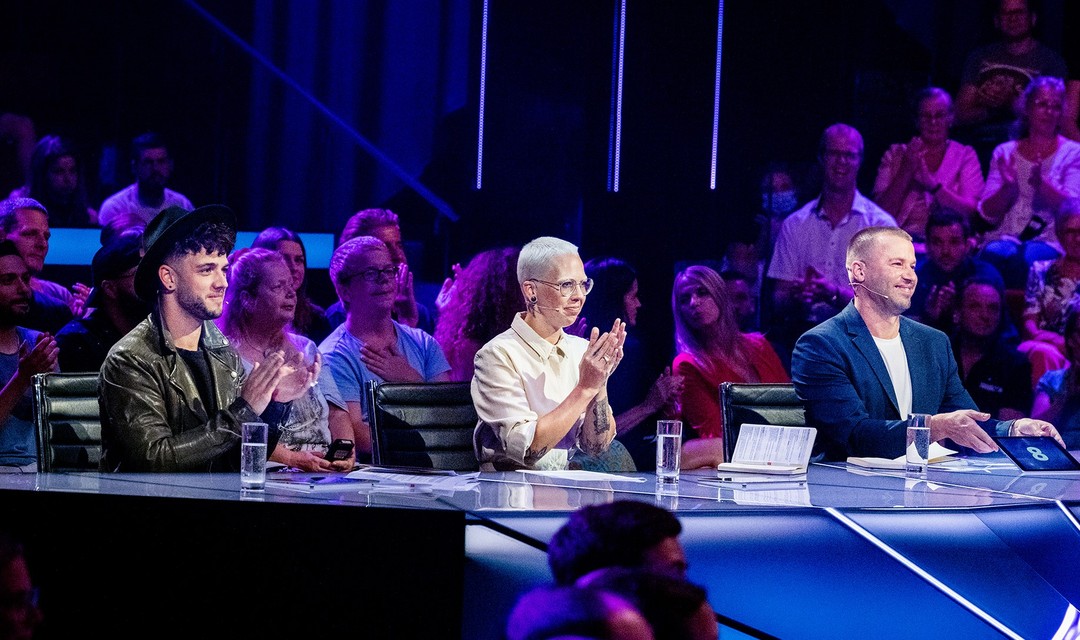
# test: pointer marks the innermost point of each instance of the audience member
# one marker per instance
(259, 306)
(19, 612)
(863, 372)
(808, 261)
(995, 374)
(674, 608)
(480, 301)
(575, 613)
(25, 222)
(23, 352)
(623, 533)
(383, 224)
(17, 138)
(1051, 293)
(996, 74)
(173, 391)
(1057, 396)
(540, 393)
(370, 344)
(119, 225)
(742, 299)
(1029, 179)
(637, 398)
(56, 181)
(153, 167)
(949, 263)
(930, 171)
(114, 306)
(310, 320)
(712, 350)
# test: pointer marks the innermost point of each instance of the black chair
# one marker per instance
(744, 403)
(67, 421)
(427, 424)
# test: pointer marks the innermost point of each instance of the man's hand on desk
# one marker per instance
(1032, 427)
(961, 427)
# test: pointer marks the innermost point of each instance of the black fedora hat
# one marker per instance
(168, 226)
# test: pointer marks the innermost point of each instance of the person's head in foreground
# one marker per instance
(674, 608)
(623, 533)
(551, 612)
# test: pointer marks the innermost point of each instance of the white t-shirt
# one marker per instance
(892, 351)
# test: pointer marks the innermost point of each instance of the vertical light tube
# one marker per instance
(716, 92)
(483, 94)
(615, 126)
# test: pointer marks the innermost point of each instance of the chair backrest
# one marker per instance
(427, 424)
(67, 421)
(744, 403)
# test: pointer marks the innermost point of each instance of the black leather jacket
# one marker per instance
(152, 418)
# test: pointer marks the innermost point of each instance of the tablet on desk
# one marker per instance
(1037, 454)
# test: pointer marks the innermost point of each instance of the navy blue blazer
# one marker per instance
(839, 373)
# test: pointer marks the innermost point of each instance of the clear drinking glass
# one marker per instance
(253, 456)
(917, 451)
(668, 450)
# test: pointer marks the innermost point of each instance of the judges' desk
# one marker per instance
(978, 553)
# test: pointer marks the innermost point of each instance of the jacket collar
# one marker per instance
(211, 338)
(863, 341)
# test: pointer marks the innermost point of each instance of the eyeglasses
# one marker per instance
(567, 287)
(373, 275)
(1047, 105)
(20, 599)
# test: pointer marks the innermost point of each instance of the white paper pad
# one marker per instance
(458, 482)
(580, 475)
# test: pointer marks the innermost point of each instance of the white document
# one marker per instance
(580, 475)
(764, 448)
(392, 481)
(938, 454)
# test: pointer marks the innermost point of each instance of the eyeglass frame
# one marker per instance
(371, 274)
(569, 286)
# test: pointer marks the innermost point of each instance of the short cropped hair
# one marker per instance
(344, 257)
(215, 238)
(839, 129)
(145, 142)
(945, 217)
(539, 253)
(363, 222)
(863, 241)
(11, 205)
(616, 534)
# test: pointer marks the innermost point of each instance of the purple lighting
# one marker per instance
(483, 91)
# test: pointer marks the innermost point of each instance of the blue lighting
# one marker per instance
(483, 92)
(716, 92)
(615, 128)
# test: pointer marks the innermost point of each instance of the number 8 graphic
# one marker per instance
(1038, 454)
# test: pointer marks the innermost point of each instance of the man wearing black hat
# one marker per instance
(173, 391)
(115, 307)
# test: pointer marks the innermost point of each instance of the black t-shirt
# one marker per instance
(200, 370)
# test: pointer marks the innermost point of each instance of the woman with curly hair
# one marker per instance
(479, 304)
(712, 350)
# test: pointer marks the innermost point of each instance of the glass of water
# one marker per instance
(668, 450)
(917, 452)
(253, 456)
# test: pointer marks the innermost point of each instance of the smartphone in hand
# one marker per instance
(340, 449)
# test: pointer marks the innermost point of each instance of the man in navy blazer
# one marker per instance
(864, 371)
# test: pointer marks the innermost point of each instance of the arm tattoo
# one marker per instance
(535, 455)
(600, 417)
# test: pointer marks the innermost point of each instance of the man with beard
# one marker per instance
(23, 352)
(153, 167)
(173, 392)
(114, 306)
(864, 371)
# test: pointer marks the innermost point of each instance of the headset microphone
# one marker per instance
(859, 284)
(540, 306)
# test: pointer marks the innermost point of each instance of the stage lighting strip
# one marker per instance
(716, 92)
(615, 128)
(922, 573)
(483, 95)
